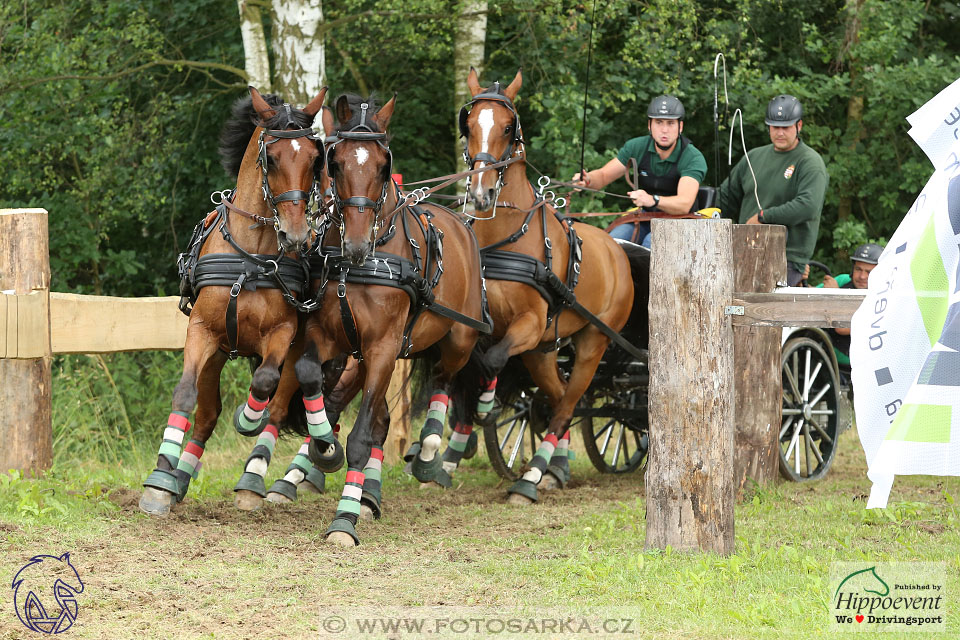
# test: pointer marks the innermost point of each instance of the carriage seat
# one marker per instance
(705, 198)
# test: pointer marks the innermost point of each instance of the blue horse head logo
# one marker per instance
(41, 583)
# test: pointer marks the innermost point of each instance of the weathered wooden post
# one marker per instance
(689, 480)
(760, 262)
(398, 399)
(26, 439)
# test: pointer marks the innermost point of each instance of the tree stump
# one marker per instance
(689, 479)
(25, 398)
(759, 263)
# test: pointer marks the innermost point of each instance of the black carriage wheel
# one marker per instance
(615, 435)
(811, 411)
(513, 439)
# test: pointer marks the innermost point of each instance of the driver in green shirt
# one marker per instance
(783, 183)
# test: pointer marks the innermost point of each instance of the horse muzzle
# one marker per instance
(294, 242)
(357, 252)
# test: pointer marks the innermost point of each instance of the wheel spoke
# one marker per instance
(606, 442)
(783, 429)
(807, 446)
(806, 373)
(792, 379)
(503, 442)
(822, 432)
(517, 444)
(616, 448)
(514, 417)
(791, 412)
(813, 445)
(822, 393)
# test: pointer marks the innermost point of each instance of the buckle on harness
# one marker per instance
(341, 289)
(235, 289)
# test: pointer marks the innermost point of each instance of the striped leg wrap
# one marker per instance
(539, 463)
(249, 418)
(372, 479)
(349, 506)
(559, 464)
(190, 460)
(436, 415)
(301, 465)
(485, 403)
(317, 422)
(177, 426)
(458, 444)
(262, 452)
(166, 476)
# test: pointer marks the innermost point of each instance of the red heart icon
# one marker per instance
(859, 618)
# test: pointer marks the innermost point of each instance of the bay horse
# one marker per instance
(397, 278)
(546, 278)
(246, 278)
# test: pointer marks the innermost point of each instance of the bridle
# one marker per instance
(314, 197)
(515, 146)
(362, 132)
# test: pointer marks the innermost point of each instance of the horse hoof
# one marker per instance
(307, 487)
(518, 499)
(549, 482)
(247, 500)
(366, 513)
(431, 485)
(277, 498)
(156, 502)
(341, 539)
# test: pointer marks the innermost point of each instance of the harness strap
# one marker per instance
(347, 321)
(231, 321)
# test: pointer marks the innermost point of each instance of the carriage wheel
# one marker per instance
(811, 411)
(514, 438)
(615, 433)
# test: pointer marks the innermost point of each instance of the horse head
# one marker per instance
(359, 163)
(290, 160)
(490, 127)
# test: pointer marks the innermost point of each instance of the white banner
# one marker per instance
(905, 338)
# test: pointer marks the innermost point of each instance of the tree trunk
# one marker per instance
(298, 53)
(467, 52)
(855, 132)
(689, 480)
(25, 374)
(761, 262)
(256, 60)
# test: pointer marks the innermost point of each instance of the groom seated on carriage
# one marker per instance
(670, 170)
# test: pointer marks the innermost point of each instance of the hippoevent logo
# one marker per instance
(45, 594)
(893, 596)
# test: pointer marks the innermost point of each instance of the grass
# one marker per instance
(209, 571)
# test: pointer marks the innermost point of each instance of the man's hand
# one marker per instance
(755, 219)
(829, 282)
(641, 198)
(581, 182)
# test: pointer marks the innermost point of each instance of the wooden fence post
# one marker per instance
(26, 438)
(689, 480)
(759, 263)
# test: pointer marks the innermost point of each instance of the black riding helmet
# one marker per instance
(869, 253)
(666, 108)
(784, 111)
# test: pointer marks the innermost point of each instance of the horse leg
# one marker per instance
(251, 489)
(370, 508)
(324, 450)
(379, 367)
(201, 359)
(521, 336)
(590, 343)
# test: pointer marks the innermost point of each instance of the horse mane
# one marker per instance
(355, 101)
(244, 120)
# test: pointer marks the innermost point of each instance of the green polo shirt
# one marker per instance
(691, 164)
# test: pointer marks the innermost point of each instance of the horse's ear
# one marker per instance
(264, 110)
(344, 112)
(473, 82)
(382, 117)
(326, 116)
(314, 107)
(514, 88)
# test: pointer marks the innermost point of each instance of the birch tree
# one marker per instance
(298, 53)
(468, 52)
(257, 62)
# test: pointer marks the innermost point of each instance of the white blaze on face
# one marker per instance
(485, 120)
(296, 146)
(362, 155)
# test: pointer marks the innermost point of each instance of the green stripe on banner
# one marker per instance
(921, 423)
(170, 449)
(371, 474)
(348, 506)
(930, 283)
